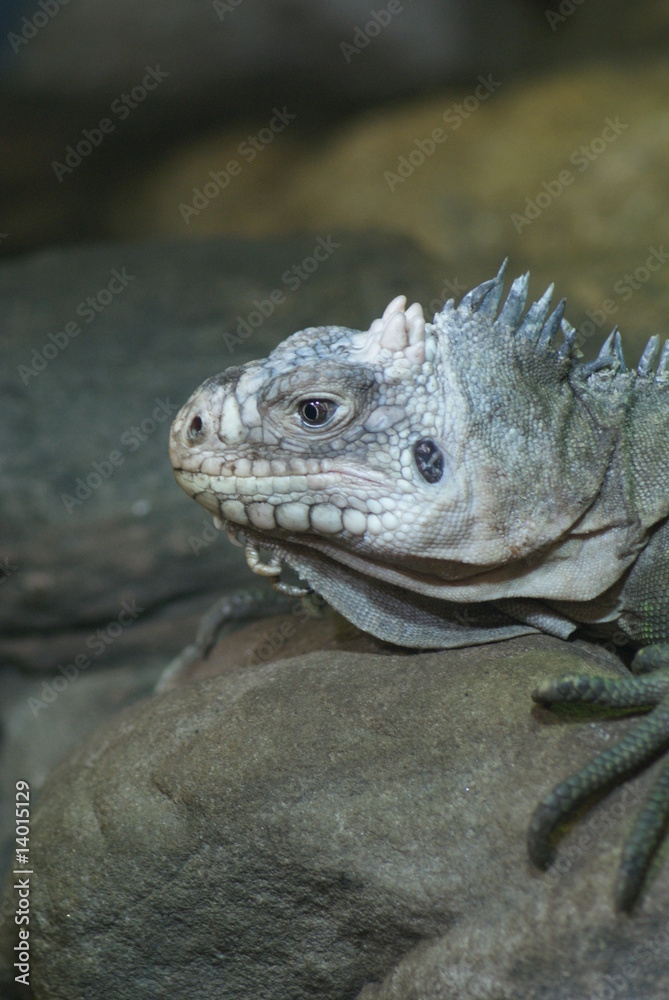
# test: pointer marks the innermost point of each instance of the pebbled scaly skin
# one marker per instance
(459, 482)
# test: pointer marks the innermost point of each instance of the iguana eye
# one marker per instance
(316, 412)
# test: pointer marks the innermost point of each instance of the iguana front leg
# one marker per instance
(641, 745)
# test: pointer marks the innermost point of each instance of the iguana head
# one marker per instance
(443, 457)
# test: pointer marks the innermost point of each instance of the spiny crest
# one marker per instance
(539, 328)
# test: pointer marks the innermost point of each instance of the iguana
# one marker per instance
(459, 482)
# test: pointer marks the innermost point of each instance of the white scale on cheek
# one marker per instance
(290, 484)
(325, 517)
(389, 521)
(265, 487)
(223, 485)
(247, 485)
(233, 510)
(199, 483)
(262, 516)
(261, 468)
(292, 516)
(243, 468)
(374, 525)
(354, 521)
(211, 466)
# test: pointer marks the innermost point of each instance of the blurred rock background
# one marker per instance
(340, 69)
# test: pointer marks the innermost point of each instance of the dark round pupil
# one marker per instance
(315, 411)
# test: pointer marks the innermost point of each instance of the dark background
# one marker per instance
(62, 65)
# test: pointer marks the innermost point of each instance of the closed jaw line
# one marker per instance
(271, 502)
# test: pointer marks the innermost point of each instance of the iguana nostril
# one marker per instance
(195, 428)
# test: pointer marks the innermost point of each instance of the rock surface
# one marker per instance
(336, 825)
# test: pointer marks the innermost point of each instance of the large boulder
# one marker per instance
(333, 824)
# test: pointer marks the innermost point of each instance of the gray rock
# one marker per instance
(336, 824)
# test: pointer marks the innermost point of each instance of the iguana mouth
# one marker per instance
(282, 484)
